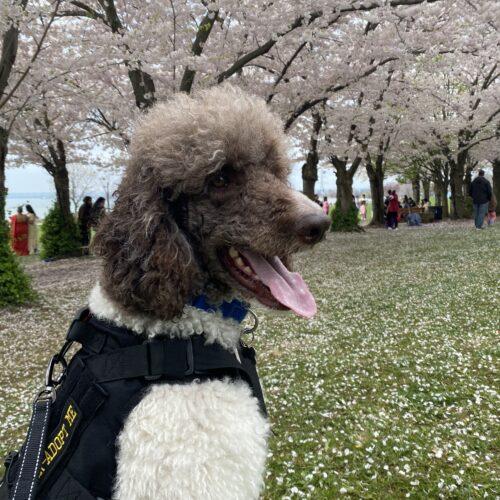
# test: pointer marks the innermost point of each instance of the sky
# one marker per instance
(31, 179)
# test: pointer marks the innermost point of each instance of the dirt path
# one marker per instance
(52, 274)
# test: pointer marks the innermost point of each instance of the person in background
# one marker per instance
(98, 211)
(413, 219)
(387, 198)
(480, 191)
(492, 207)
(392, 210)
(84, 216)
(406, 202)
(425, 204)
(411, 202)
(19, 232)
(386, 205)
(362, 210)
(326, 205)
(32, 230)
(96, 215)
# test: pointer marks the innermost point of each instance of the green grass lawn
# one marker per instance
(391, 391)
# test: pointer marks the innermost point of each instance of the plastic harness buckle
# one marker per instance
(189, 358)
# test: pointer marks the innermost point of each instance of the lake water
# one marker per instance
(41, 202)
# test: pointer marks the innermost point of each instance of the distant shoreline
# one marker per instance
(41, 202)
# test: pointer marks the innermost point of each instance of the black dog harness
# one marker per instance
(102, 383)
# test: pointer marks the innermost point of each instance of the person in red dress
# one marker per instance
(19, 232)
(392, 211)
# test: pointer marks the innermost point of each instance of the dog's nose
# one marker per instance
(311, 228)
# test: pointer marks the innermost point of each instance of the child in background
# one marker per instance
(326, 205)
(362, 210)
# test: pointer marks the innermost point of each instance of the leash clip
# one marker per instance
(251, 330)
(58, 359)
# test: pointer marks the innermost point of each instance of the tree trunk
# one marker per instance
(57, 168)
(4, 138)
(309, 178)
(467, 182)
(376, 177)
(61, 182)
(415, 187)
(344, 178)
(496, 182)
(426, 184)
(457, 187)
(344, 189)
(310, 167)
(442, 196)
(457, 195)
(445, 204)
(345, 217)
(143, 87)
(439, 198)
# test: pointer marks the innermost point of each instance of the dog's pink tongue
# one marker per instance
(287, 288)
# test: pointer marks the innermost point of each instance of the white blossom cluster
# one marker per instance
(102, 63)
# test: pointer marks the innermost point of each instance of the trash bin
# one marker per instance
(438, 212)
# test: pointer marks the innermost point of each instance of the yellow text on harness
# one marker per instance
(60, 437)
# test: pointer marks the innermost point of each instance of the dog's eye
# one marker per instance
(220, 181)
(222, 178)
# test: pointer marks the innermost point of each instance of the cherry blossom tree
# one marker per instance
(22, 25)
(202, 43)
(466, 116)
(32, 20)
(424, 111)
(53, 134)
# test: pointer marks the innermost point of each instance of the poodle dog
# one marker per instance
(204, 209)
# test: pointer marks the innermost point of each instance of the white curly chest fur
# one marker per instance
(203, 440)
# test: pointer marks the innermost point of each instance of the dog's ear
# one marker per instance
(149, 265)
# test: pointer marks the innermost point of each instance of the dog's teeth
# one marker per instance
(247, 270)
(233, 252)
(239, 262)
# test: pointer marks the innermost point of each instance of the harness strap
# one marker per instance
(175, 359)
(85, 397)
(170, 358)
(25, 487)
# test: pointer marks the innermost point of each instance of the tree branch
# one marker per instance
(80, 13)
(475, 143)
(266, 47)
(286, 67)
(202, 35)
(355, 165)
(90, 11)
(305, 106)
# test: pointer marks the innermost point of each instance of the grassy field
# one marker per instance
(390, 392)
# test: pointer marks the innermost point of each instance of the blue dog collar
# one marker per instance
(236, 309)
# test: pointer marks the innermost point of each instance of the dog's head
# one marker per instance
(205, 207)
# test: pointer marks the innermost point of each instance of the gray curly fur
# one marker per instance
(153, 266)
